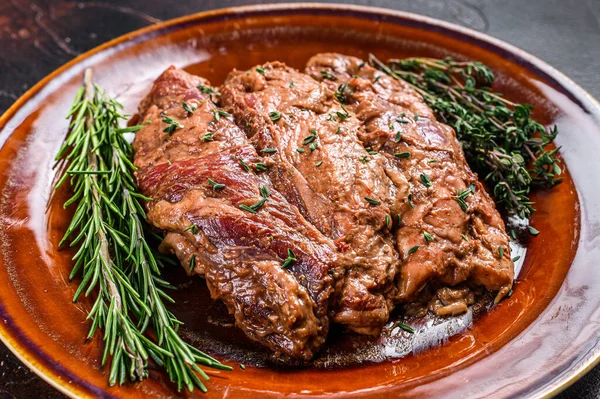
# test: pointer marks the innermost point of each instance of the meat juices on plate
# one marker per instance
(320, 166)
(447, 234)
(199, 168)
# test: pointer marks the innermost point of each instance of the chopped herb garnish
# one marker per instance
(291, 258)
(260, 166)
(313, 146)
(173, 124)
(309, 139)
(243, 164)
(398, 137)
(260, 70)
(404, 327)
(218, 113)
(427, 237)
(327, 75)
(192, 228)
(207, 90)
(416, 117)
(292, 84)
(425, 180)
(300, 150)
(413, 249)
(190, 109)
(207, 137)
(388, 221)
(215, 185)
(342, 115)
(533, 231)
(399, 217)
(319, 164)
(247, 208)
(364, 159)
(275, 116)
(242, 366)
(264, 191)
(148, 122)
(192, 263)
(404, 154)
(376, 78)
(464, 237)
(337, 130)
(500, 252)
(339, 93)
(461, 197)
(370, 151)
(410, 203)
(269, 150)
(516, 258)
(432, 161)
(371, 201)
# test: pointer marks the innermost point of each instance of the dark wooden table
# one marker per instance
(37, 36)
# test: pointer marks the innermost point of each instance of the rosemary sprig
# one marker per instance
(500, 139)
(114, 257)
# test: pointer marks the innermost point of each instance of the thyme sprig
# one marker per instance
(114, 258)
(500, 139)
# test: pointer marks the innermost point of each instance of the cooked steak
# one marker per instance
(450, 231)
(224, 220)
(320, 166)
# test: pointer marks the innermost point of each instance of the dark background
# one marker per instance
(38, 36)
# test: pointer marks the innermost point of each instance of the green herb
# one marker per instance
(533, 231)
(427, 237)
(192, 228)
(246, 208)
(342, 115)
(370, 151)
(328, 75)
(242, 365)
(313, 146)
(218, 113)
(208, 90)
(500, 252)
(425, 180)
(399, 217)
(319, 164)
(291, 85)
(207, 137)
(371, 201)
(404, 154)
(260, 166)
(364, 159)
(215, 185)
(300, 150)
(192, 263)
(269, 150)
(432, 161)
(516, 258)
(337, 130)
(464, 237)
(413, 249)
(190, 109)
(260, 70)
(376, 78)
(340, 93)
(398, 137)
(291, 258)
(499, 138)
(388, 221)
(172, 125)
(114, 256)
(264, 192)
(309, 139)
(242, 164)
(461, 197)
(275, 116)
(404, 327)
(410, 202)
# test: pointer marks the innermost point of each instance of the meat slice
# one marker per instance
(225, 221)
(320, 166)
(447, 235)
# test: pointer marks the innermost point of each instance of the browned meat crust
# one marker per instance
(454, 245)
(321, 167)
(238, 252)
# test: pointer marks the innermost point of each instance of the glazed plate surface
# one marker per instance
(532, 344)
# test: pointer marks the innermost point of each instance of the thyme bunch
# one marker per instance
(114, 256)
(500, 139)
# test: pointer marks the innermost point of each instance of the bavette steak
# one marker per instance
(320, 166)
(331, 195)
(224, 220)
(449, 230)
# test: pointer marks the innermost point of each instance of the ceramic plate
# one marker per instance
(533, 344)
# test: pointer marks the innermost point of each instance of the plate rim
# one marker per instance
(584, 99)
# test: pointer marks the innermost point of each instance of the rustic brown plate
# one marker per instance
(533, 344)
